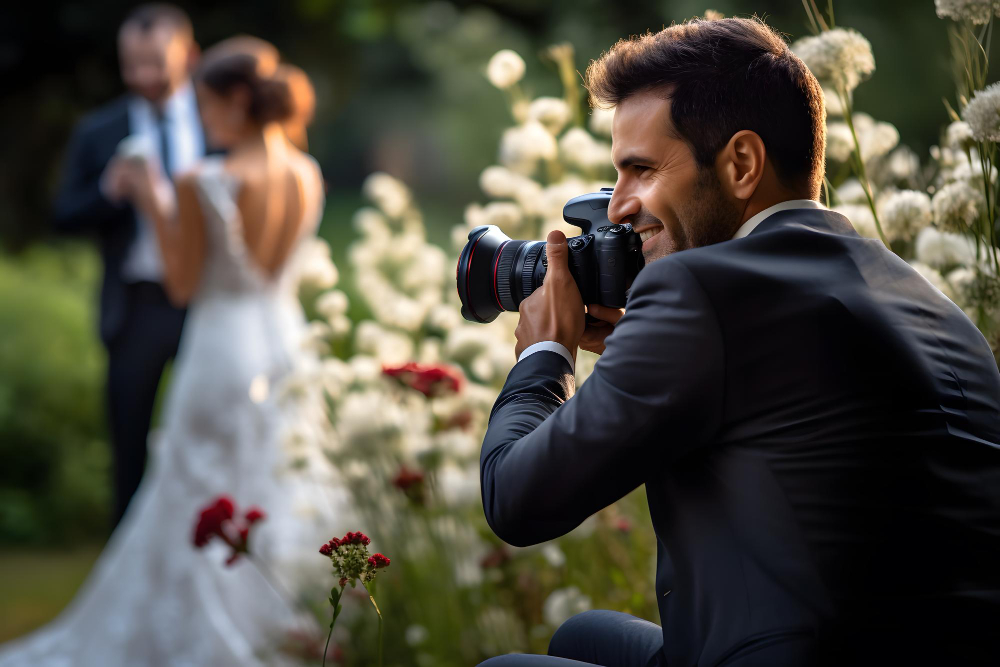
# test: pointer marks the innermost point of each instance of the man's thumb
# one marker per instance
(556, 252)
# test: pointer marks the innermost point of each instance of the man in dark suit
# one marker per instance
(816, 426)
(140, 328)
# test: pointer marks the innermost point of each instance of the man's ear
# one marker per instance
(740, 164)
(194, 56)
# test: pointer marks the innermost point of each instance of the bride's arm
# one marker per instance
(180, 228)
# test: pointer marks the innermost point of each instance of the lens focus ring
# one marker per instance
(535, 251)
(505, 264)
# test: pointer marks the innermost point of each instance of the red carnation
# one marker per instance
(378, 560)
(428, 379)
(217, 519)
(211, 520)
(254, 514)
(343, 582)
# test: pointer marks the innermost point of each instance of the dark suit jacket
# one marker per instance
(81, 208)
(818, 430)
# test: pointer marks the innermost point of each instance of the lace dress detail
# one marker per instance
(152, 598)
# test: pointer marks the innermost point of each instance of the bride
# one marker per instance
(228, 231)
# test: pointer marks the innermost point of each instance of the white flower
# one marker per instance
(962, 282)
(839, 142)
(841, 57)
(331, 304)
(834, 107)
(388, 193)
(959, 135)
(852, 192)
(505, 69)
(861, 217)
(581, 150)
(370, 223)
(312, 265)
(552, 112)
(554, 555)
(975, 11)
(902, 165)
(505, 215)
(386, 345)
(957, 206)
(443, 317)
(903, 214)
(982, 113)
(500, 182)
(416, 635)
(876, 138)
(458, 486)
(522, 146)
(969, 173)
(316, 338)
(944, 249)
(934, 278)
(601, 121)
(562, 604)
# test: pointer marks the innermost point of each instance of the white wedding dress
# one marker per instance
(152, 598)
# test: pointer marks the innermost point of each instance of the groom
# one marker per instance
(816, 426)
(140, 328)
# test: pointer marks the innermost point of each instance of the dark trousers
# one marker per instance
(599, 637)
(136, 358)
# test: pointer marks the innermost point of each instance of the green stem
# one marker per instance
(326, 649)
(377, 611)
(859, 161)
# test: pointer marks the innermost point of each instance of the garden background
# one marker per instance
(401, 89)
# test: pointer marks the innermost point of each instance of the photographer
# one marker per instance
(816, 426)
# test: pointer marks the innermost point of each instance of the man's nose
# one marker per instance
(622, 205)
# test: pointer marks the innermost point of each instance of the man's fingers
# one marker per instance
(605, 314)
(557, 253)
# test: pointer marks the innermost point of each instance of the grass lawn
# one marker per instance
(36, 584)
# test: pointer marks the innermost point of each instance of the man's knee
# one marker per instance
(575, 637)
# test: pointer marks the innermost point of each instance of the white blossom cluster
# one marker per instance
(982, 113)
(974, 11)
(839, 57)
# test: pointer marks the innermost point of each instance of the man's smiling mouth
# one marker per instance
(649, 233)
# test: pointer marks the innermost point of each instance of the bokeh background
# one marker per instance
(400, 89)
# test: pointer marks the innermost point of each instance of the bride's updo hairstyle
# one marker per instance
(253, 65)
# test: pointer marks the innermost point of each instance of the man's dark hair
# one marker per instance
(723, 76)
(154, 14)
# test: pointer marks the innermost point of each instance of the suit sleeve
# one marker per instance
(551, 458)
(79, 203)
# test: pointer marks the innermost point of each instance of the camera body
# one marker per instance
(495, 273)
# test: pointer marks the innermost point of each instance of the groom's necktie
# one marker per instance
(162, 126)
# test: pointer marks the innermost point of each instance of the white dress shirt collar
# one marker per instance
(752, 223)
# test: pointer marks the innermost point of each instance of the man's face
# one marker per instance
(672, 202)
(154, 62)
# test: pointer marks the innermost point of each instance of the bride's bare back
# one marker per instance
(280, 190)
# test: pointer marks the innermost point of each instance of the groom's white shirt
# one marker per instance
(745, 228)
(186, 145)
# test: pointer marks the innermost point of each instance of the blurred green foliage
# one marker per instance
(54, 478)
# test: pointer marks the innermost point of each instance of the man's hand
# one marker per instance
(595, 333)
(554, 311)
(114, 181)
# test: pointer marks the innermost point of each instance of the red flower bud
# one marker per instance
(343, 581)
(326, 549)
(378, 560)
(255, 514)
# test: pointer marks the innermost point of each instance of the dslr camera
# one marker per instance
(496, 273)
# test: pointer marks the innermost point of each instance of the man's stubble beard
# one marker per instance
(708, 218)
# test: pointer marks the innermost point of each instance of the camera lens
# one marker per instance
(496, 273)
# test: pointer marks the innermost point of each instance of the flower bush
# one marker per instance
(940, 217)
(402, 407)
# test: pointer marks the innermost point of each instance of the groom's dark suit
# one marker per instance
(140, 328)
(818, 431)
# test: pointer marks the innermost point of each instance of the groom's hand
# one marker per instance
(554, 311)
